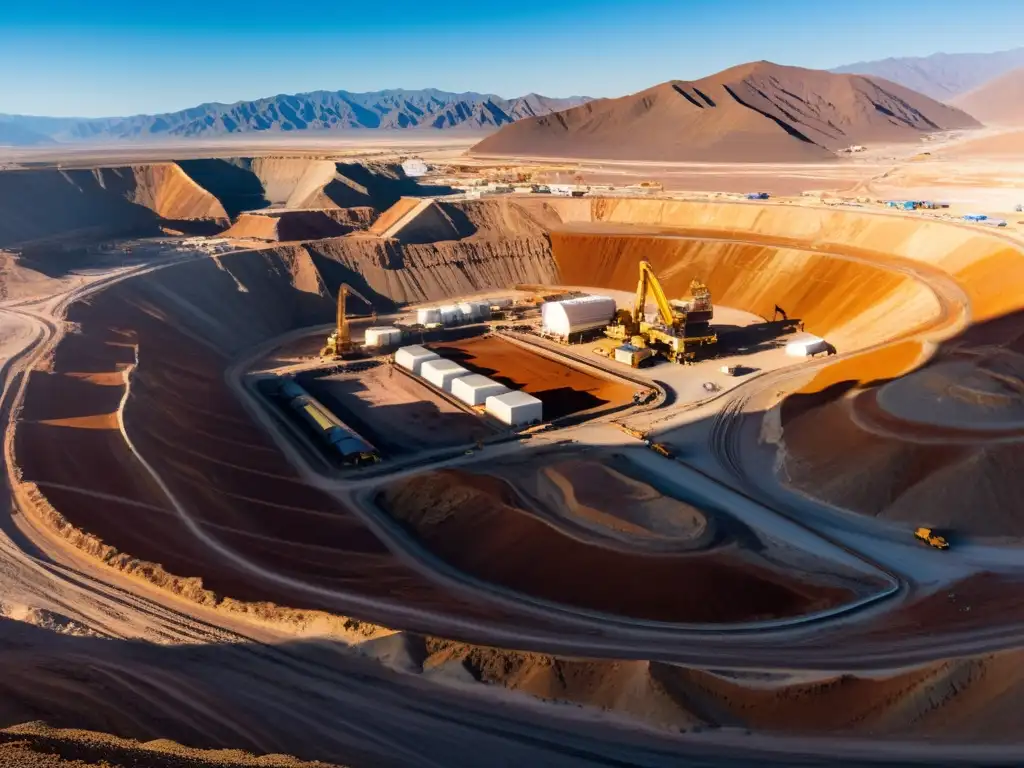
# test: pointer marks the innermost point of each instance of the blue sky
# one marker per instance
(118, 57)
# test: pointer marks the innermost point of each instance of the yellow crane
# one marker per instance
(669, 336)
(339, 343)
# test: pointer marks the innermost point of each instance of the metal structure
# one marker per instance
(339, 343)
(931, 538)
(682, 326)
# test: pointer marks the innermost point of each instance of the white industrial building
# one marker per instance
(383, 336)
(428, 315)
(475, 389)
(805, 345)
(450, 314)
(441, 373)
(515, 408)
(414, 356)
(475, 310)
(414, 167)
(572, 316)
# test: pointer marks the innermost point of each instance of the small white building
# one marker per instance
(414, 167)
(515, 408)
(572, 316)
(428, 315)
(414, 356)
(475, 310)
(474, 389)
(450, 314)
(383, 336)
(441, 373)
(805, 345)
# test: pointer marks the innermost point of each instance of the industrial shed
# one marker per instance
(383, 336)
(475, 389)
(563, 319)
(412, 357)
(450, 314)
(805, 345)
(428, 315)
(515, 408)
(441, 373)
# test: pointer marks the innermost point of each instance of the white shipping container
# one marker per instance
(562, 318)
(475, 389)
(515, 408)
(414, 356)
(441, 373)
(450, 314)
(805, 345)
(428, 315)
(383, 336)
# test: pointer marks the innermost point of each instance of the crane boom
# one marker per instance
(340, 340)
(649, 282)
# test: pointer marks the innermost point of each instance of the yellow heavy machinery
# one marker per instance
(682, 325)
(931, 538)
(339, 343)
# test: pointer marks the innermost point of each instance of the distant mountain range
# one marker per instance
(941, 75)
(319, 110)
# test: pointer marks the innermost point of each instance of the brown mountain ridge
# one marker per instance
(758, 112)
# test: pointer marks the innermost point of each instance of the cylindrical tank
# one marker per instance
(585, 313)
(428, 315)
(450, 314)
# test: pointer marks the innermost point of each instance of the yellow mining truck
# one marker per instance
(931, 538)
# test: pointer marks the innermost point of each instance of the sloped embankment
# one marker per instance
(103, 202)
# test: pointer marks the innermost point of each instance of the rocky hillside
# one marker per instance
(758, 112)
(997, 102)
(319, 110)
(941, 75)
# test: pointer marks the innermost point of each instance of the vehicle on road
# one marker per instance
(931, 538)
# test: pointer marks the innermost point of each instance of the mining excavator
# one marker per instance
(931, 538)
(339, 343)
(681, 327)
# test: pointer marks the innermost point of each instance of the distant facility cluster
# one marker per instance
(510, 407)
(454, 314)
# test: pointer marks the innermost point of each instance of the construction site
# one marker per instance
(716, 473)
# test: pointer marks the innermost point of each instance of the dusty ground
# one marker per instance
(396, 412)
(480, 524)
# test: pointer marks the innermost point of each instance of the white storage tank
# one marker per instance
(475, 389)
(413, 357)
(515, 408)
(450, 314)
(805, 345)
(383, 336)
(585, 313)
(482, 309)
(428, 315)
(441, 373)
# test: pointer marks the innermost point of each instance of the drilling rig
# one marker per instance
(681, 325)
(339, 343)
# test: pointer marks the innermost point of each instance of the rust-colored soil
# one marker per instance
(562, 388)
(478, 523)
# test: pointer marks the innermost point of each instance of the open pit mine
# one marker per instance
(311, 458)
